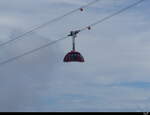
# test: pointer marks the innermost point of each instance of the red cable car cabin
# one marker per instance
(73, 56)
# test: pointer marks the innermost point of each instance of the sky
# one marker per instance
(114, 78)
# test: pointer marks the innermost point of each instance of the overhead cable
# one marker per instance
(87, 27)
(48, 23)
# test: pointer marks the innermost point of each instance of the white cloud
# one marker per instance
(116, 52)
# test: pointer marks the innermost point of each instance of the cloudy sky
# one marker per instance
(115, 76)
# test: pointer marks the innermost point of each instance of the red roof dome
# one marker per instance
(73, 56)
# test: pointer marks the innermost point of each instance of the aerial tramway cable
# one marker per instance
(48, 23)
(87, 27)
(112, 15)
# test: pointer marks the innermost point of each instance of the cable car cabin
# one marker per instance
(73, 56)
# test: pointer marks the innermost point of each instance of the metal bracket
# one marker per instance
(74, 35)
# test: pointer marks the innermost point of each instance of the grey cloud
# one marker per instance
(116, 52)
(21, 88)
